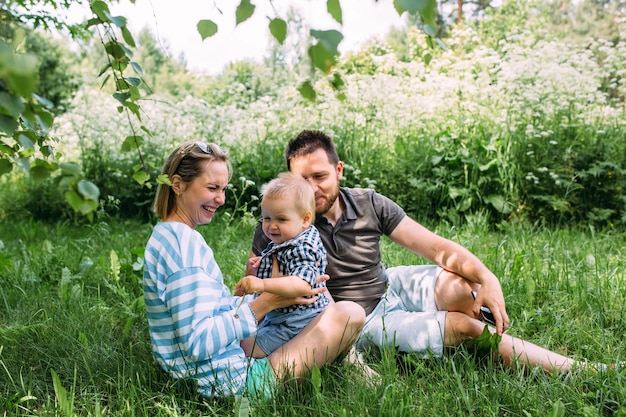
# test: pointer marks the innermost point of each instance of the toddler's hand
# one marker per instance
(254, 262)
(249, 285)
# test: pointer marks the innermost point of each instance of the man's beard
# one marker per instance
(327, 203)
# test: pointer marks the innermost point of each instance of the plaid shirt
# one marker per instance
(303, 256)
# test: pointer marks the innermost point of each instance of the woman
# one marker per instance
(195, 324)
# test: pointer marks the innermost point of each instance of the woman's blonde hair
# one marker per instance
(186, 161)
(294, 187)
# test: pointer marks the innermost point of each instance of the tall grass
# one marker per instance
(74, 340)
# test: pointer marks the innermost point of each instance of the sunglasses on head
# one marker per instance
(203, 146)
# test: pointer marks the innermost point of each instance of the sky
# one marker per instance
(174, 23)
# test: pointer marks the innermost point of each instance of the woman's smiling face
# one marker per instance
(199, 198)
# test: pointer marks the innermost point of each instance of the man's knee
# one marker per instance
(454, 293)
(460, 327)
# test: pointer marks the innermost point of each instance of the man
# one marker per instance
(419, 308)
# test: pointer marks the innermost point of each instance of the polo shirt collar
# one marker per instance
(351, 211)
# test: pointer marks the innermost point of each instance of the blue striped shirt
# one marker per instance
(191, 313)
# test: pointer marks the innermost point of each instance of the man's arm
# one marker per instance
(454, 258)
(444, 252)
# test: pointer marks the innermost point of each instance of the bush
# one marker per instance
(112, 171)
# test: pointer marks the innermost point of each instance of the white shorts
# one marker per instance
(407, 316)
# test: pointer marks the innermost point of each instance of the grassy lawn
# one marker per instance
(74, 340)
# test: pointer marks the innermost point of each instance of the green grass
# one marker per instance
(74, 340)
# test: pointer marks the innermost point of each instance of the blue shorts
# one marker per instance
(261, 381)
(407, 316)
(277, 329)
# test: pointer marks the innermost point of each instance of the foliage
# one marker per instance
(26, 117)
(509, 119)
(26, 110)
(521, 131)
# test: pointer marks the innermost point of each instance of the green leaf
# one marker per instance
(307, 91)
(397, 4)
(488, 165)
(73, 199)
(278, 29)
(137, 68)
(10, 104)
(43, 101)
(135, 94)
(336, 82)
(429, 13)
(316, 380)
(44, 120)
(89, 190)
(206, 28)
(134, 109)
(558, 409)
(485, 344)
(8, 124)
(5, 166)
(131, 143)
(242, 408)
(412, 6)
(104, 69)
(115, 49)
(128, 37)
(119, 21)
(22, 74)
(66, 404)
(329, 38)
(70, 168)
(79, 204)
(141, 176)
(430, 30)
(100, 9)
(145, 129)
(244, 11)
(321, 58)
(499, 203)
(161, 179)
(92, 22)
(122, 97)
(26, 142)
(132, 80)
(39, 172)
(334, 9)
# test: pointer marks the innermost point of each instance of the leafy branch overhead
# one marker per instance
(324, 51)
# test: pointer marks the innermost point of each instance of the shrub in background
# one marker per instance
(528, 127)
(112, 172)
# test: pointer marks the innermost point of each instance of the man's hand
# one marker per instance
(249, 285)
(490, 296)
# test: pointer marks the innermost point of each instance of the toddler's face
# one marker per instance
(281, 220)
